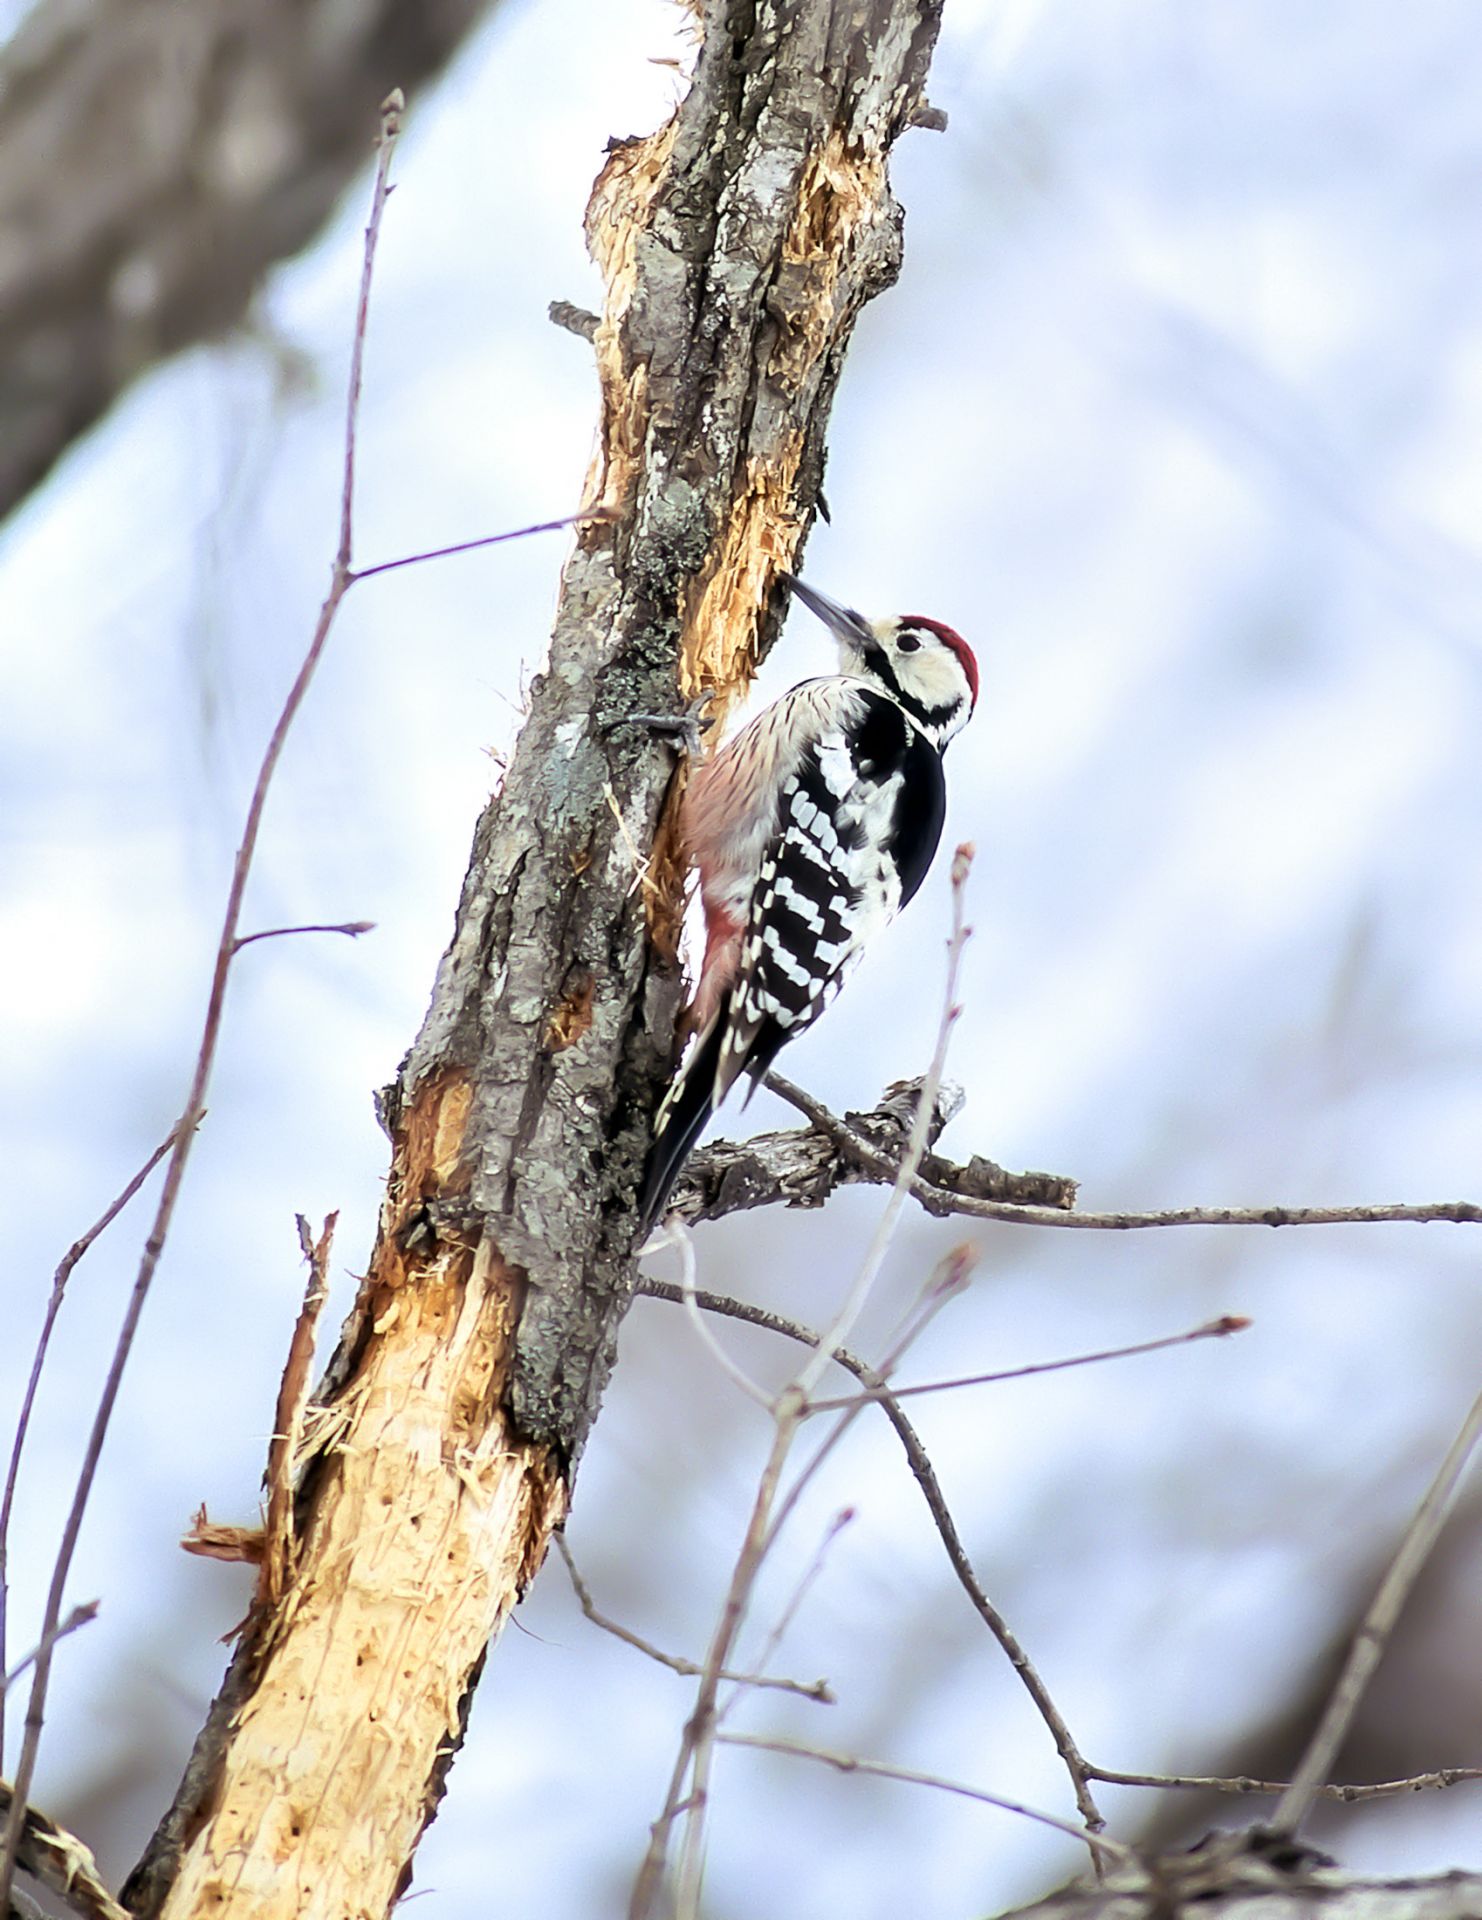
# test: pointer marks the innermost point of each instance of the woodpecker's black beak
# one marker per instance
(843, 621)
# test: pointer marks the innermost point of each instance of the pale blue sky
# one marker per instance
(1175, 414)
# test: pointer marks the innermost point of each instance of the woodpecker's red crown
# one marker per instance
(949, 636)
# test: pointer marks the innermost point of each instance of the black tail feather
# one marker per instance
(688, 1108)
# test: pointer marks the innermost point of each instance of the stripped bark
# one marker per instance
(155, 161)
(737, 245)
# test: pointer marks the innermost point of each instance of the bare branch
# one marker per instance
(801, 1167)
(679, 1236)
(81, 1616)
(1211, 1330)
(1374, 1634)
(226, 950)
(1078, 1767)
(586, 517)
(943, 1196)
(789, 1410)
(1245, 1874)
(354, 928)
(800, 1592)
(949, 1278)
(677, 1800)
(1242, 1783)
(881, 1770)
(60, 1278)
(577, 320)
(818, 1690)
(813, 1370)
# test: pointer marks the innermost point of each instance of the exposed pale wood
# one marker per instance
(737, 246)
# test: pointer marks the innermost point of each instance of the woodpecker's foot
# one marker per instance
(685, 729)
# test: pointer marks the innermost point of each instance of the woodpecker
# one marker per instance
(810, 830)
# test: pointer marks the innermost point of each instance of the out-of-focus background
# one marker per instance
(1175, 413)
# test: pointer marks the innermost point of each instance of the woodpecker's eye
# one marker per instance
(908, 643)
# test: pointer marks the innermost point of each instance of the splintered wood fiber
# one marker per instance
(839, 192)
(429, 1521)
(619, 214)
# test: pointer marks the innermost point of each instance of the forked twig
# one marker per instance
(342, 577)
(1219, 1329)
(1112, 1850)
(1076, 1764)
(953, 1274)
(226, 950)
(689, 1782)
(943, 1200)
(818, 1690)
(82, 1616)
(60, 1278)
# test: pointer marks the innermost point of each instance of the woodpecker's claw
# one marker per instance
(685, 729)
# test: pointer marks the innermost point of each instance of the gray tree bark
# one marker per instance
(155, 161)
(1251, 1876)
(737, 245)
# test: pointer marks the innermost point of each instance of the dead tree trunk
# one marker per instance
(738, 245)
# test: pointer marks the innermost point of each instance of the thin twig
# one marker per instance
(1220, 1329)
(60, 1278)
(1374, 1634)
(881, 1770)
(949, 1278)
(81, 1616)
(1242, 1783)
(354, 928)
(698, 1741)
(680, 1236)
(586, 515)
(1076, 1764)
(791, 1408)
(818, 1690)
(813, 1370)
(790, 1611)
(340, 579)
(943, 1200)
(676, 1800)
(689, 1783)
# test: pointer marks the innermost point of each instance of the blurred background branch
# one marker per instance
(155, 161)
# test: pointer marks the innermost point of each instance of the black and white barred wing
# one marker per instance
(858, 820)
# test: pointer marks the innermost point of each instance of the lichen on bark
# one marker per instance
(737, 245)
